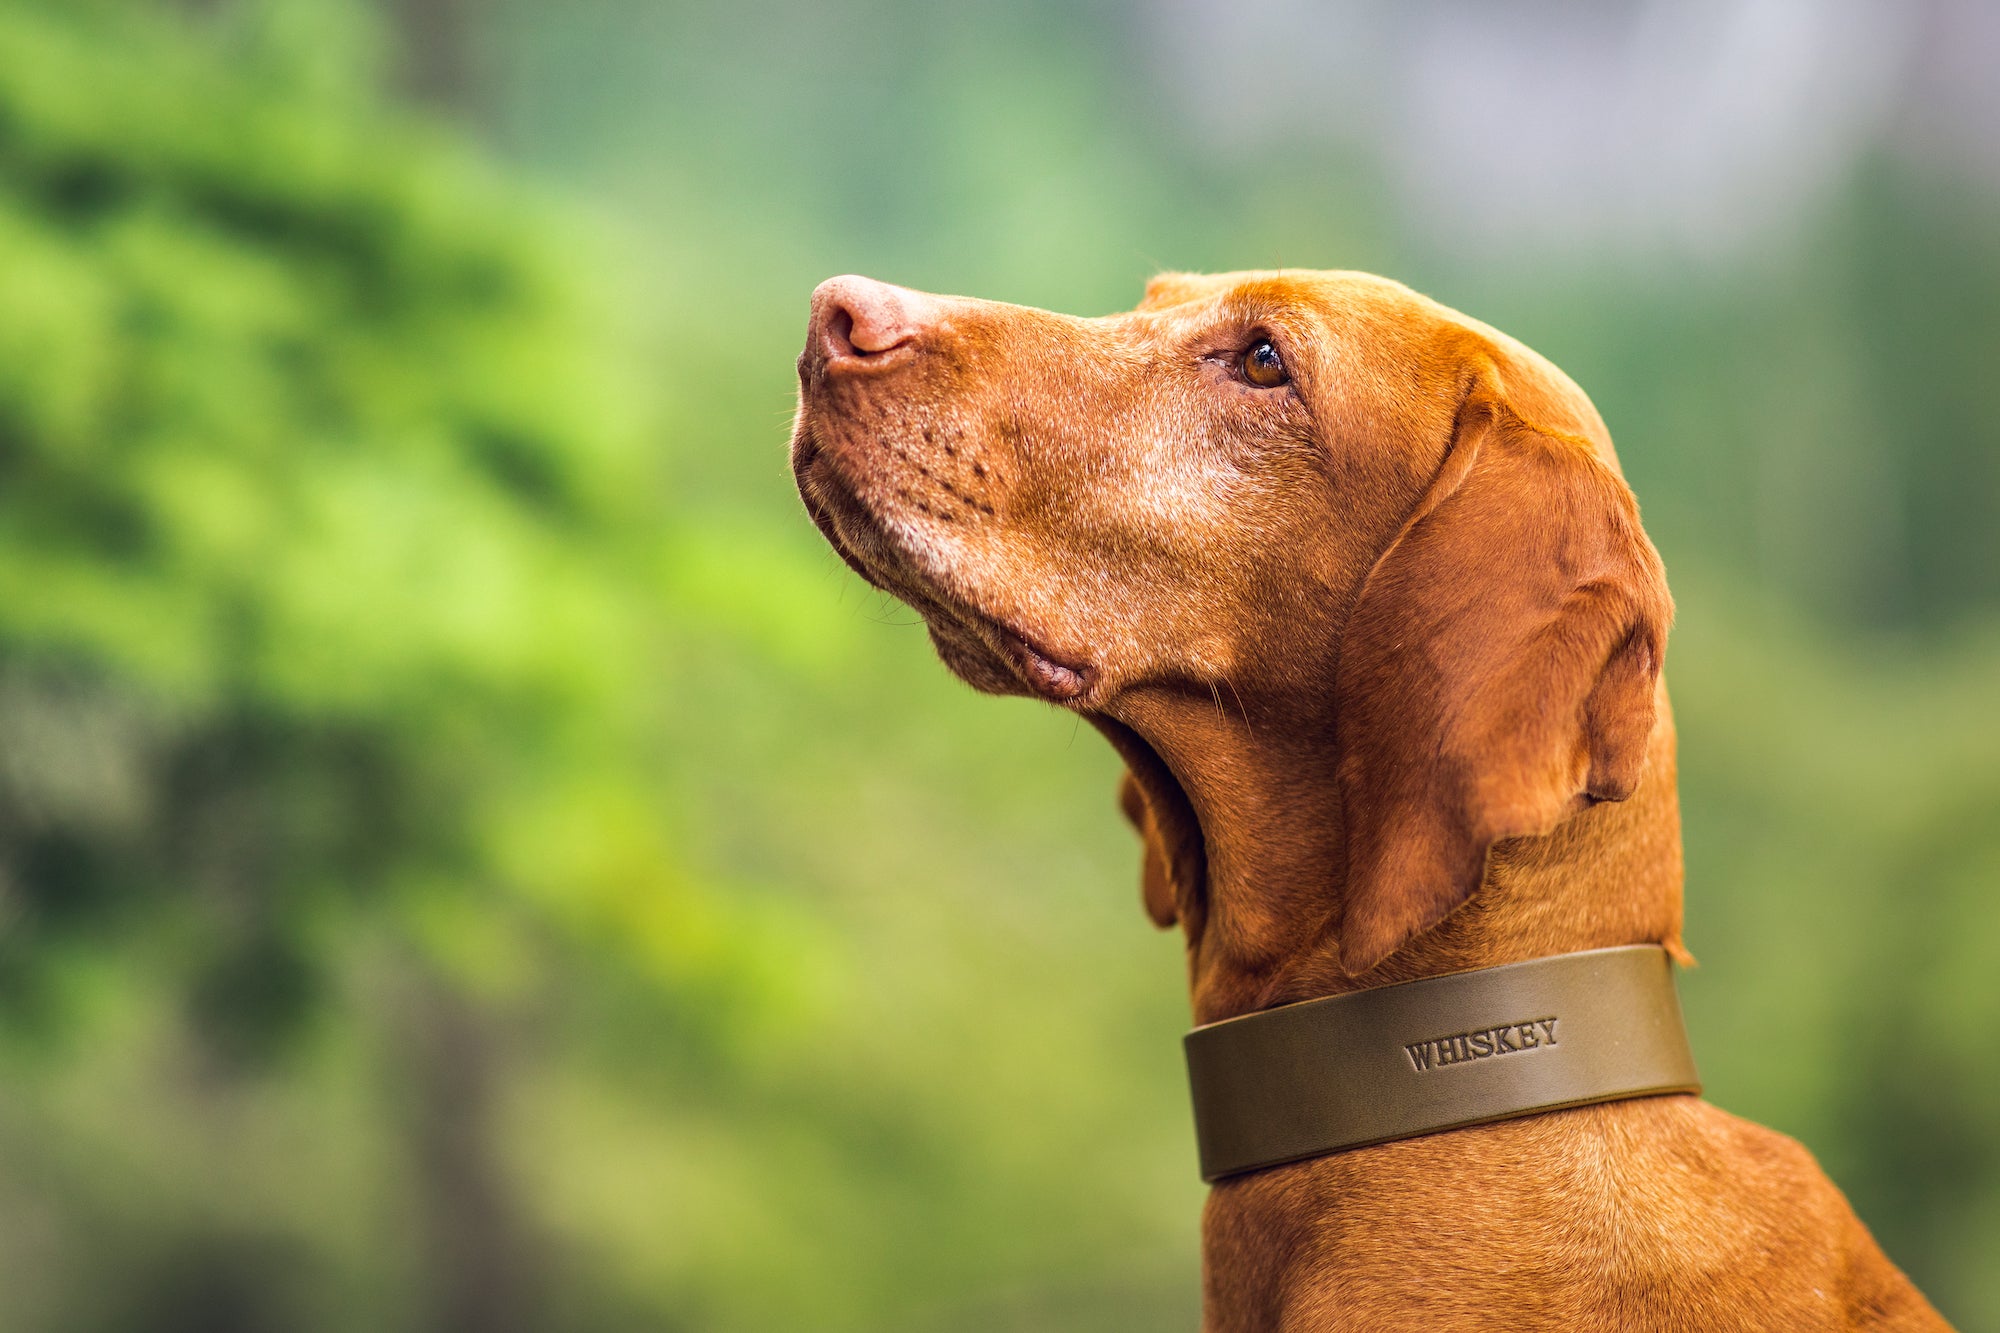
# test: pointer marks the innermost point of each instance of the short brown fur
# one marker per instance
(1381, 647)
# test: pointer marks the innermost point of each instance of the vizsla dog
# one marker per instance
(1355, 587)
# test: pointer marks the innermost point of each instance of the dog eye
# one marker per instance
(1263, 367)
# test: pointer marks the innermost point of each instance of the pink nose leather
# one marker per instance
(855, 319)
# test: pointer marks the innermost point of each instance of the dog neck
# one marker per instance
(1263, 929)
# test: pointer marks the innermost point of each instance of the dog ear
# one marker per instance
(1497, 673)
(1156, 883)
(1174, 880)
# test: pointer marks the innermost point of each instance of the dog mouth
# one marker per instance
(834, 507)
(1052, 677)
(990, 651)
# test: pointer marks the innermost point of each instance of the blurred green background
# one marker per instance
(470, 859)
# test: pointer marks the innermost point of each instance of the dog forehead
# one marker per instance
(1328, 293)
(1358, 318)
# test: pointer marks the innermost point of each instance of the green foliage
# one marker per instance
(328, 627)
(325, 482)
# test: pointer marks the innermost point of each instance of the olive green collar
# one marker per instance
(1443, 1053)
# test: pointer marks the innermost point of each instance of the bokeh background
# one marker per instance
(471, 860)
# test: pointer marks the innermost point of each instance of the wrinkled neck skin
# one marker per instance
(1265, 926)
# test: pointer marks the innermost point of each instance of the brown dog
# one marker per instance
(1355, 587)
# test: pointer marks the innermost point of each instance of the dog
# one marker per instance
(1355, 587)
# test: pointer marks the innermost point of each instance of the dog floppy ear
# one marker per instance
(1497, 673)
(1156, 883)
(1173, 881)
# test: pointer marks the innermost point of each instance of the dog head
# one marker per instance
(1318, 498)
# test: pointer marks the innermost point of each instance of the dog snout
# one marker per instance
(858, 323)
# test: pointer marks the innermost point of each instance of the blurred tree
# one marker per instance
(323, 591)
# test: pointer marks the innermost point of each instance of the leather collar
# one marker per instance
(1442, 1053)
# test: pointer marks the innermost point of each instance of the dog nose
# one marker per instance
(857, 319)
